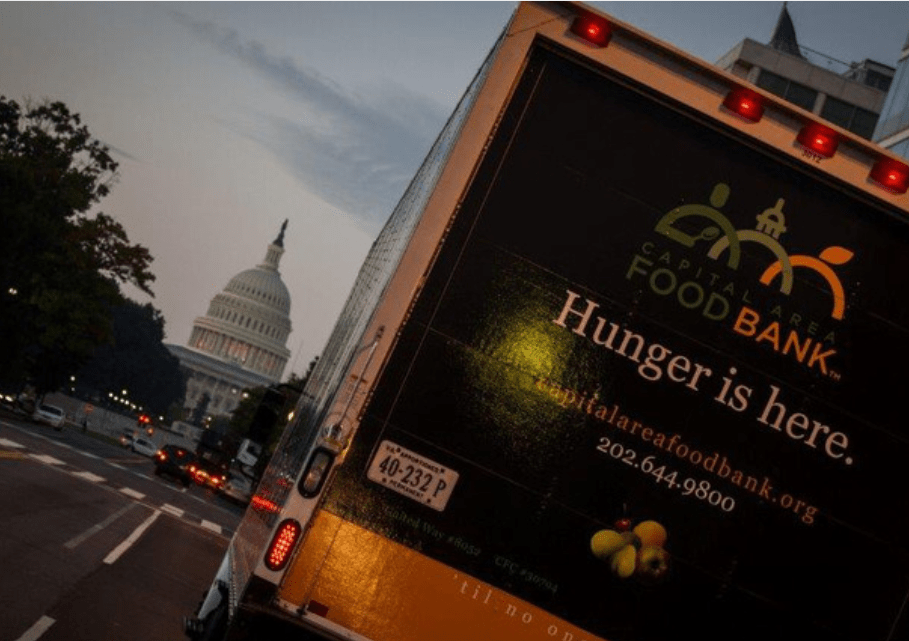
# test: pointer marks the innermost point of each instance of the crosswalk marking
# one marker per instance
(41, 626)
(88, 476)
(214, 527)
(13, 450)
(170, 509)
(44, 458)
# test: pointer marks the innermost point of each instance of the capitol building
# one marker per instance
(241, 341)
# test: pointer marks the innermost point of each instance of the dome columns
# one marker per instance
(245, 330)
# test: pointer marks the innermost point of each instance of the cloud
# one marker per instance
(354, 152)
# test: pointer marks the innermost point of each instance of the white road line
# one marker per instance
(7, 443)
(88, 454)
(44, 458)
(118, 551)
(170, 509)
(88, 476)
(133, 493)
(40, 627)
(119, 467)
(73, 542)
(214, 527)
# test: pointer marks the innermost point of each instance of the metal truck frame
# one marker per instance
(617, 367)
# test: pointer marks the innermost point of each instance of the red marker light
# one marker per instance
(592, 28)
(819, 139)
(282, 544)
(263, 504)
(891, 174)
(745, 103)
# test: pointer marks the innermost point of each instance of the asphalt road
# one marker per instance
(93, 546)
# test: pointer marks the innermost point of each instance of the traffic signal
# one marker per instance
(266, 416)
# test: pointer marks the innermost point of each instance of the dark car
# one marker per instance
(176, 462)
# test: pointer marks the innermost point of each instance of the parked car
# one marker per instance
(8, 401)
(237, 489)
(176, 462)
(50, 415)
(141, 445)
(126, 437)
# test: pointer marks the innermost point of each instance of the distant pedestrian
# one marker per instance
(84, 424)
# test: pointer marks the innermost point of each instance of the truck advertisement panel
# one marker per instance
(645, 393)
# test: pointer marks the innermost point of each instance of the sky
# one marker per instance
(228, 118)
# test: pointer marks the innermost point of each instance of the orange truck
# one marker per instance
(622, 365)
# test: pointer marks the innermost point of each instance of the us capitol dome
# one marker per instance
(241, 341)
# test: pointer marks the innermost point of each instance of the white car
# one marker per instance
(141, 445)
(49, 414)
(237, 489)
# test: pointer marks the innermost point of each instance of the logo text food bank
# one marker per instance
(705, 278)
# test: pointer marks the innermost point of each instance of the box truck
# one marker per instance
(623, 364)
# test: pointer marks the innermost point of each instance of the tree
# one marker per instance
(244, 414)
(197, 417)
(61, 262)
(136, 360)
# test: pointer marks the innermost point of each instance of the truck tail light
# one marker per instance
(819, 139)
(891, 174)
(282, 544)
(593, 29)
(745, 104)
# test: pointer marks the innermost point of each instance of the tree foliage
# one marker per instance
(242, 416)
(61, 261)
(135, 360)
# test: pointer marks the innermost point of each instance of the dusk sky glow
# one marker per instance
(227, 118)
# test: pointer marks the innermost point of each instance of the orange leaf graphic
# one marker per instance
(836, 255)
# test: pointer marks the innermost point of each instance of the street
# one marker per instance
(94, 546)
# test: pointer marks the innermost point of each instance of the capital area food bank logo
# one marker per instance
(694, 278)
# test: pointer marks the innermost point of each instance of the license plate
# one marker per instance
(412, 475)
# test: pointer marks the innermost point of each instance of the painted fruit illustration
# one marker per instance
(605, 543)
(651, 533)
(653, 564)
(636, 551)
(625, 561)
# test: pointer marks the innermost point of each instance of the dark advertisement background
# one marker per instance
(580, 173)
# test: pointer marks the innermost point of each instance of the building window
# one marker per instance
(878, 80)
(855, 119)
(796, 93)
